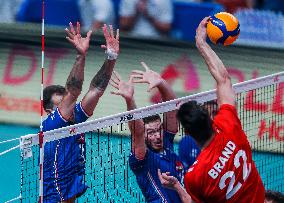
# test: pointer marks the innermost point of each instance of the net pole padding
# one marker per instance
(40, 134)
(139, 113)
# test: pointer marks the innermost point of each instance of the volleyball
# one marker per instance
(223, 28)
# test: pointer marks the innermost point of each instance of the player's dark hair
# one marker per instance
(275, 197)
(196, 121)
(47, 95)
(152, 118)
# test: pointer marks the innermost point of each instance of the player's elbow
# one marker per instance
(224, 78)
(74, 87)
(74, 92)
(96, 92)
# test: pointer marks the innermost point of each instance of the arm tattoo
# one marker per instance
(74, 84)
(76, 77)
(101, 79)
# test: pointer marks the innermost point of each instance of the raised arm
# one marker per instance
(225, 92)
(75, 79)
(101, 79)
(155, 80)
(126, 90)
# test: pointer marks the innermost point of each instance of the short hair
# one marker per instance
(196, 121)
(275, 197)
(47, 95)
(151, 118)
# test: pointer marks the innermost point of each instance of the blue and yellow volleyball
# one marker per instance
(223, 28)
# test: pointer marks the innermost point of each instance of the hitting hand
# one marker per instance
(201, 33)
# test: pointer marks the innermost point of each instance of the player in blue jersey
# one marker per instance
(64, 159)
(152, 140)
(188, 150)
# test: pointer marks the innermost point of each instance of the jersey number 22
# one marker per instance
(231, 190)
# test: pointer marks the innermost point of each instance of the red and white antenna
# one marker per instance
(41, 151)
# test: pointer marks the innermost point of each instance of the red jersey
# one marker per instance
(224, 171)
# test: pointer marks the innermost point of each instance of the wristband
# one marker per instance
(111, 54)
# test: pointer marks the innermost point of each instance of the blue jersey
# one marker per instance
(146, 172)
(188, 151)
(64, 159)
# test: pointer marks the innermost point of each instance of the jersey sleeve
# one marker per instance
(139, 165)
(188, 151)
(54, 121)
(168, 139)
(227, 118)
(80, 114)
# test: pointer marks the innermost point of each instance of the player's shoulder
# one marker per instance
(50, 116)
(227, 117)
(227, 109)
(54, 120)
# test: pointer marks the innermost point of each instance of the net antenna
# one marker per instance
(25, 145)
(40, 135)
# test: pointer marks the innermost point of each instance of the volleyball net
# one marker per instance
(108, 142)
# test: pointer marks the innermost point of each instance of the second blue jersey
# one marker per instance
(146, 172)
(188, 151)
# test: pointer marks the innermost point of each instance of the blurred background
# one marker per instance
(158, 32)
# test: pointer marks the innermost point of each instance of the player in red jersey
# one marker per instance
(224, 171)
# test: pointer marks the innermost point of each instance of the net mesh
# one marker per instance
(107, 146)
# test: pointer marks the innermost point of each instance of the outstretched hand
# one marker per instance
(151, 77)
(201, 33)
(168, 181)
(124, 89)
(112, 42)
(74, 37)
